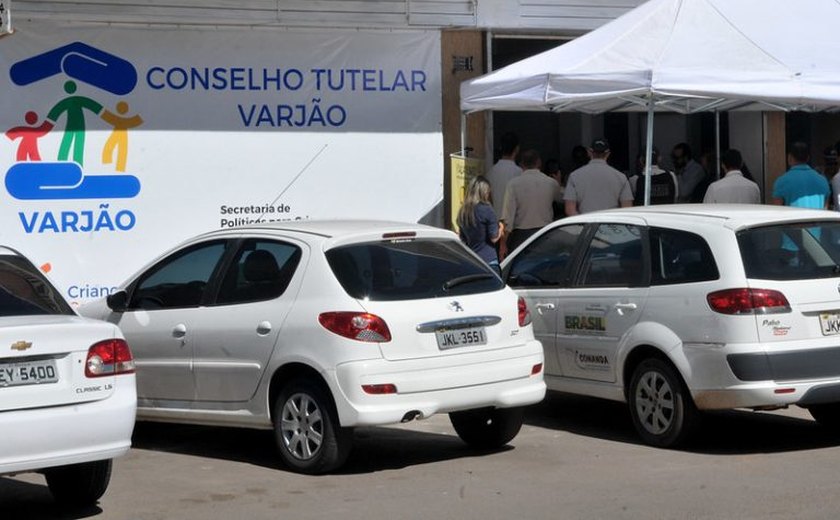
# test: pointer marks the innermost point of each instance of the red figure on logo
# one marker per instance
(29, 135)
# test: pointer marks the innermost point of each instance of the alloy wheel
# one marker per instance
(655, 402)
(302, 426)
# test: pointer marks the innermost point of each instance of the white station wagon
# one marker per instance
(677, 309)
(311, 328)
(67, 390)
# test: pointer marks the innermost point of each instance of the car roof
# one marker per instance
(335, 228)
(733, 216)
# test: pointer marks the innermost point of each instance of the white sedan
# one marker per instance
(311, 328)
(679, 309)
(67, 388)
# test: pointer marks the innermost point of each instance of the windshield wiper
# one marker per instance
(449, 284)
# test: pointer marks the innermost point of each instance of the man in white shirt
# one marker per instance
(503, 171)
(733, 188)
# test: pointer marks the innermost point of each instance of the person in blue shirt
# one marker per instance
(801, 186)
(478, 226)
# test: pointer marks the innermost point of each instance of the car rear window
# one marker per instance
(410, 270)
(24, 291)
(794, 251)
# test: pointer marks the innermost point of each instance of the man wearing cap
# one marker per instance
(597, 185)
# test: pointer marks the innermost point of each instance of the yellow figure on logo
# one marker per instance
(118, 140)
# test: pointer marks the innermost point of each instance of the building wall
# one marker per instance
(568, 16)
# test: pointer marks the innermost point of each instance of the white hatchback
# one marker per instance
(311, 328)
(681, 308)
(67, 389)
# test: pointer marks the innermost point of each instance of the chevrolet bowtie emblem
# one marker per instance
(21, 345)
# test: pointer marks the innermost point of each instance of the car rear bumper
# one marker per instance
(502, 378)
(39, 438)
(751, 376)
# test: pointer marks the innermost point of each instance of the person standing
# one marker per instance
(835, 181)
(689, 173)
(801, 186)
(504, 170)
(733, 188)
(528, 201)
(597, 185)
(663, 184)
(478, 226)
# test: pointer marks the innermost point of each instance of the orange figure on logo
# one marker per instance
(118, 140)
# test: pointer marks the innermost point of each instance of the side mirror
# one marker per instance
(118, 301)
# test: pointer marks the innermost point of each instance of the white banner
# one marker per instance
(121, 142)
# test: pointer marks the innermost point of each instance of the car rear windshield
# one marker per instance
(410, 270)
(24, 291)
(793, 251)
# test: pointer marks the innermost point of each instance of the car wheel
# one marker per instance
(827, 415)
(660, 405)
(80, 484)
(487, 428)
(307, 431)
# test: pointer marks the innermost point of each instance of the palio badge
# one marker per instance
(21, 345)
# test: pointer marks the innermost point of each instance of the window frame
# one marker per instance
(653, 231)
(230, 261)
(586, 240)
(574, 258)
(209, 290)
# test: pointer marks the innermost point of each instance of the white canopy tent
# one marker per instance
(684, 56)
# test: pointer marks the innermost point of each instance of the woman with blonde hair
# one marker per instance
(478, 226)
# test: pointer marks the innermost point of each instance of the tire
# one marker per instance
(661, 407)
(307, 431)
(827, 415)
(487, 428)
(79, 485)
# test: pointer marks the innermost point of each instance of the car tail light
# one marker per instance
(108, 358)
(380, 389)
(524, 313)
(748, 301)
(536, 369)
(361, 326)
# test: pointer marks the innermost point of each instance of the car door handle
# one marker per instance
(263, 328)
(621, 307)
(542, 307)
(180, 331)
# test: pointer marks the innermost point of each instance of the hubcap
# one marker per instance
(302, 427)
(654, 403)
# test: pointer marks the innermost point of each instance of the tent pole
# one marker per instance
(648, 150)
(716, 169)
(463, 134)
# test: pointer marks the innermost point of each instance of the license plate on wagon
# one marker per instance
(20, 373)
(830, 323)
(455, 338)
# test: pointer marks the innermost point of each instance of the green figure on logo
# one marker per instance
(74, 130)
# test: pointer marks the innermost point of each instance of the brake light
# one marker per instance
(108, 358)
(536, 369)
(524, 313)
(748, 301)
(361, 326)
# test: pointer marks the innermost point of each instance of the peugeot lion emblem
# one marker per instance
(21, 345)
(455, 306)
(838, 288)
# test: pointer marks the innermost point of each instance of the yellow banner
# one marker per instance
(463, 171)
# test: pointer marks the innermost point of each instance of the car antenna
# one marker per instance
(294, 179)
